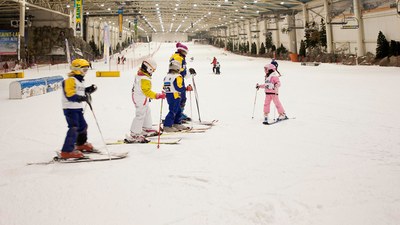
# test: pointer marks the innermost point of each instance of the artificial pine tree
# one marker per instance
(302, 51)
(382, 49)
(254, 48)
(322, 34)
(262, 49)
(268, 41)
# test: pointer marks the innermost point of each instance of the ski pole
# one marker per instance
(191, 111)
(98, 127)
(196, 97)
(254, 106)
(159, 125)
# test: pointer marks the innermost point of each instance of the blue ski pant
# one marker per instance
(175, 112)
(77, 129)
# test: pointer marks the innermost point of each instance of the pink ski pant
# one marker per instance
(275, 99)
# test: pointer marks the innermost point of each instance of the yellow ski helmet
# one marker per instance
(79, 66)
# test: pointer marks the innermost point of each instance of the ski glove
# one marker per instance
(257, 86)
(82, 98)
(91, 89)
(192, 71)
(189, 88)
(160, 95)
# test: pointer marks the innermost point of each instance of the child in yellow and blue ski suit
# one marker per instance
(174, 87)
(73, 94)
(180, 56)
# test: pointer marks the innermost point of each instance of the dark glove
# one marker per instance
(82, 98)
(91, 89)
(257, 86)
(192, 71)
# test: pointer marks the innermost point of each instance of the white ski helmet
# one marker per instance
(174, 65)
(149, 65)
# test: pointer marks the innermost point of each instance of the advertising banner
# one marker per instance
(107, 43)
(78, 16)
(8, 42)
(120, 21)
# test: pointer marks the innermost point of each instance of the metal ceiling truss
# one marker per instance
(158, 15)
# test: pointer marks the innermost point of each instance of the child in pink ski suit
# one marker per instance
(271, 86)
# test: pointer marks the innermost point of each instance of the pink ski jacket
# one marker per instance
(271, 85)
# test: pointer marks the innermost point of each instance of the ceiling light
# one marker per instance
(195, 5)
(282, 3)
(109, 9)
(68, 6)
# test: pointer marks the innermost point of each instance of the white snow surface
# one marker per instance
(337, 162)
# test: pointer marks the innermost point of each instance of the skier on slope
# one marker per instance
(271, 86)
(214, 63)
(174, 87)
(141, 93)
(275, 63)
(73, 94)
(180, 56)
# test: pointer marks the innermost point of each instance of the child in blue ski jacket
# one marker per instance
(174, 87)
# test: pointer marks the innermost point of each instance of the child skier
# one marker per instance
(174, 87)
(271, 86)
(180, 56)
(141, 92)
(217, 68)
(214, 63)
(275, 63)
(74, 93)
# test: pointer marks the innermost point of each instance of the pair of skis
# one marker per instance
(277, 121)
(165, 139)
(96, 156)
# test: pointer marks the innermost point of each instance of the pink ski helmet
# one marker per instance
(182, 48)
(269, 67)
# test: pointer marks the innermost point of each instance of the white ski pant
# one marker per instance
(142, 119)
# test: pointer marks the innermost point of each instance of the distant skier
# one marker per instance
(275, 63)
(141, 93)
(271, 86)
(214, 63)
(218, 68)
(74, 93)
(180, 56)
(174, 87)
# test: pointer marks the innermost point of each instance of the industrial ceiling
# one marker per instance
(190, 16)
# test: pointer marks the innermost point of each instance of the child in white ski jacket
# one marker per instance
(271, 86)
(141, 93)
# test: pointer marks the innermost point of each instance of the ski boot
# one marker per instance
(282, 117)
(185, 118)
(87, 147)
(180, 127)
(75, 154)
(149, 132)
(170, 129)
(137, 138)
(265, 121)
